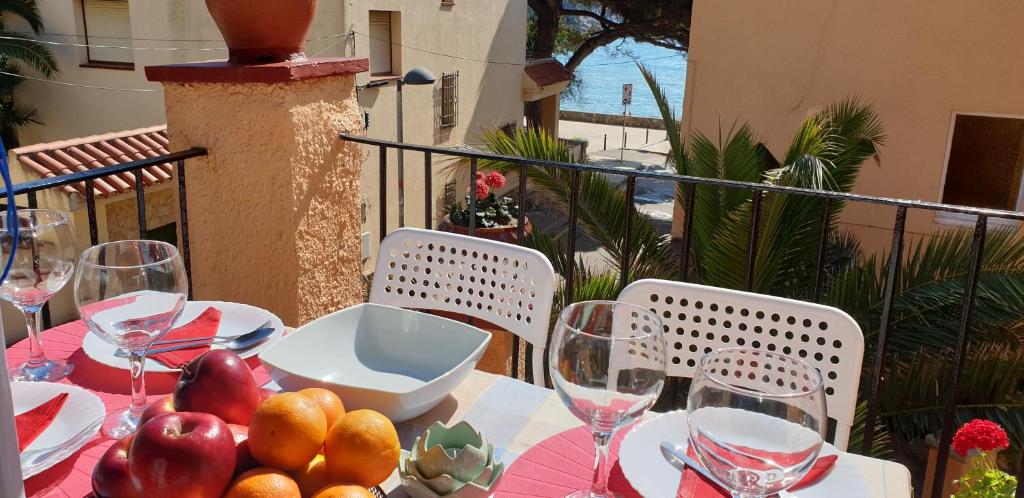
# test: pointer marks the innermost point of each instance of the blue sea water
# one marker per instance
(608, 68)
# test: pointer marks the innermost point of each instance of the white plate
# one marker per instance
(76, 423)
(235, 319)
(653, 477)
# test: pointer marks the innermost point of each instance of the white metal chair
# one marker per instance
(509, 286)
(698, 319)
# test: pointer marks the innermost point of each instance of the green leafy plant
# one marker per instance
(980, 439)
(17, 49)
(492, 210)
(827, 152)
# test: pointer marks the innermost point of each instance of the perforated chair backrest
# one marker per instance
(698, 319)
(509, 286)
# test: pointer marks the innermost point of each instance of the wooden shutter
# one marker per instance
(107, 23)
(380, 42)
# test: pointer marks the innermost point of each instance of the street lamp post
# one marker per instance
(415, 76)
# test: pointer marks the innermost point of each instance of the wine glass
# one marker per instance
(757, 419)
(607, 363)
(43, 262)
(130, 293)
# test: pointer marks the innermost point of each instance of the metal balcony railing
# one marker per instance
(758, 191)
(87, 178)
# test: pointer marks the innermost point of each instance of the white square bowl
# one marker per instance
(398, 362)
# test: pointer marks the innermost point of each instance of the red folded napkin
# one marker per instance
(33, 422)
(205, 325)
(694, 485)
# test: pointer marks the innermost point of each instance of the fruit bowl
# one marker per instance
(398, 362)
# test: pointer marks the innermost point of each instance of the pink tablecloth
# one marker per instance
(71, 478)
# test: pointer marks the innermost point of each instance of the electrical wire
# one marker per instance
(154, 49)
(64, 83)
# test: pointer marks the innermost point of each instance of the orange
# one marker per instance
(343, 491)
(286, 431)
(263, 482)
(312, 477)
(362, 448)
(329, 402)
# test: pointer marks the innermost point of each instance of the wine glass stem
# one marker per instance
(36, 356)
(137, 360)
(600, 484)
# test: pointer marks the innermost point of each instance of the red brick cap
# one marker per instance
(279, 72)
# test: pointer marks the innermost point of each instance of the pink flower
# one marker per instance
(482, 190)
(495, 180)
(983, 435)
(479, 175)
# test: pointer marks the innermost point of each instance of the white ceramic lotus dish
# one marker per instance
(653, 477)
(235, 319)
(75, 425)
(398, 362)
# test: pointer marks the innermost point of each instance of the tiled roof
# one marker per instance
(87, 153)
(546, 72)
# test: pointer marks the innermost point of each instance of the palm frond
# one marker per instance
(602, 207)
(25, 9)
(989, 384)
(16, 46)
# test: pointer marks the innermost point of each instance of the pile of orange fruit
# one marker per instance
(307, 446)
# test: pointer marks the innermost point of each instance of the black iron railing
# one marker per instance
(758, 190)
(87, 180)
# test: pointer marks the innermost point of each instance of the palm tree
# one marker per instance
(826, 152)
(17, 49)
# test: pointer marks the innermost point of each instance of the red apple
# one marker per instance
(158, 407)
(182, 454)
(266, 392)
(218, 382)
(243, 457)
(110, 477)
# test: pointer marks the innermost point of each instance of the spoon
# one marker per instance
(681, 460)
(244, 341)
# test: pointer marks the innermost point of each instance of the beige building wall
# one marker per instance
(489, 92)
(468, 34)
(69, 112)
(917, 61)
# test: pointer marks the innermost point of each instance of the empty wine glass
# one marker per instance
(43, 262)
(607, 363)
(757, 419)
(129, 294)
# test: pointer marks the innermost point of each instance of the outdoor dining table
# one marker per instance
(512, 414)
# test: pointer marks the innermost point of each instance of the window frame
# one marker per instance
(99, 63)
(394, 47)
(449, 119)
(961, 219)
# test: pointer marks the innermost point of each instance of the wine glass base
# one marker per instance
(585, 493)
(49, 371)
(121, 424)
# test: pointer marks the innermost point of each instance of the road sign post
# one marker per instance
(627, 99)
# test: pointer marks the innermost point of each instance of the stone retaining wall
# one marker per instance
(612, 119)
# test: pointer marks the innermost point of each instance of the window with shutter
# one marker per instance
(449, 100)
(986, 162)
(107, 22)
(380, 42)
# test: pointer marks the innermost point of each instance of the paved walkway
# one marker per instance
(655, 198)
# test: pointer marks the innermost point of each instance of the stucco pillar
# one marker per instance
(273, 210)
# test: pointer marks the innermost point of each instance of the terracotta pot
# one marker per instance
(263, 31)
(508, 234)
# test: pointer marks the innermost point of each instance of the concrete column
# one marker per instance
(273, 210)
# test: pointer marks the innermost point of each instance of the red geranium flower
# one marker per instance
(482, 190)
(495, 180)
(983, 435)
(479, 175)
